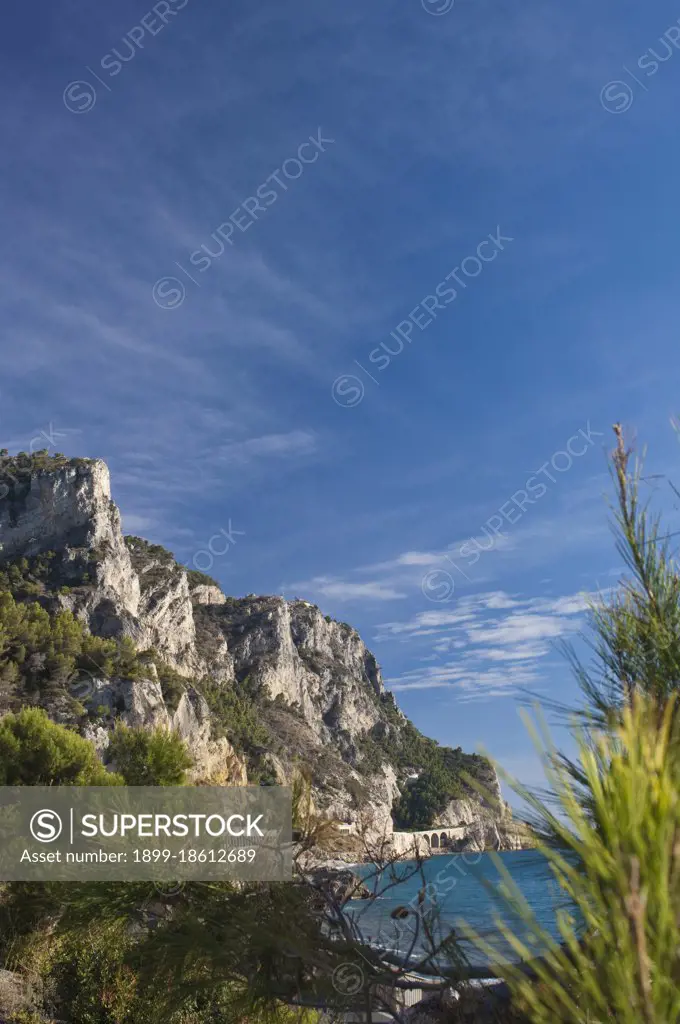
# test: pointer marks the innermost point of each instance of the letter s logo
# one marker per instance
(45, 826)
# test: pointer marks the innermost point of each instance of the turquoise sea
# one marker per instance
(457, 883)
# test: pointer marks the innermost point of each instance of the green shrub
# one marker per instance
(34, 751)
(426, 797)
(235, 714)
(92, 981)
(149, 758)
(173, 685)
(40, 651)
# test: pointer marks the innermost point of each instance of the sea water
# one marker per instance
(462, 887)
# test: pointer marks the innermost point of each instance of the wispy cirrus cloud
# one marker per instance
(488, 645)
(294, 443)
(326, 586)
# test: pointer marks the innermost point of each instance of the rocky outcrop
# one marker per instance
(206, 593)
(69, 510)
(468, 812)
(338, 884)
(480, 822)
(68, 506)
(313, 663)
(140, 704)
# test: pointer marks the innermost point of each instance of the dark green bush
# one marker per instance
(149, 758)
(34, 751)
(40, 651)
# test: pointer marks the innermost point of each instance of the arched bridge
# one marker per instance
(430, 839)
(436, 840)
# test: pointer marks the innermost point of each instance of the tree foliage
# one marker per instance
(616, 855)
(235, 714)
(611, 828)
(39, 651)
(149, 757)
(34, 751)
(636, 632)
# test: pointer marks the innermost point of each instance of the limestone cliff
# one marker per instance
(258, 686)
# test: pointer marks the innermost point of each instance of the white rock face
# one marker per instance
(140, 704)
(322, 666)
(205, 593)
(373, 819)
(68, 507)
(167, 622)
(409, 845)
(71, 508)
(464, 812)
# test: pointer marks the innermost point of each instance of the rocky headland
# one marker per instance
(258, 687)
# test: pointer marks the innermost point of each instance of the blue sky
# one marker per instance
(253, 399)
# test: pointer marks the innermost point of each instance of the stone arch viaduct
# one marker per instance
(430, 839)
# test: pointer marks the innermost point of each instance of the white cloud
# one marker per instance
(343, 591)
(425, 622)
(521, 652)
(563, 605)
(296, 442)
(500, 600)
(416, 558)
(534, 616)
(487, 645)
(519, 628)
(468, 684)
